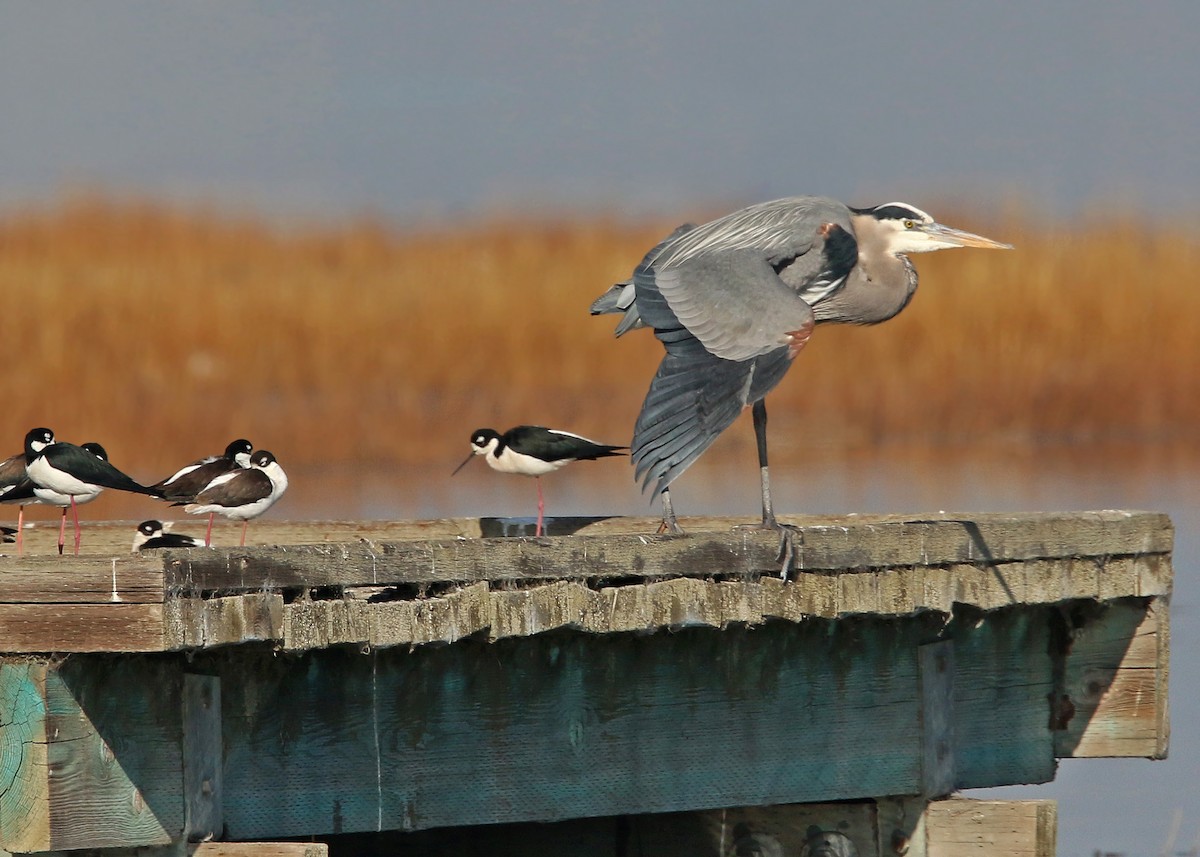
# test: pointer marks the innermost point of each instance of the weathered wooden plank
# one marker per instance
(91, 755)
(221, 621)
(853, 544)
(203, 756)
(910, 539)
(258, 849)
(1116, 683)
(81, 627)
(977, 828)
(82, 580)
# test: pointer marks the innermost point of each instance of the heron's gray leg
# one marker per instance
(760, 435)
(787, 533)
(669, 524)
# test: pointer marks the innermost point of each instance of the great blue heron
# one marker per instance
(534, 451)
(734, 300)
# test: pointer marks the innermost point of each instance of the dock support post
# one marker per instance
(202, 757)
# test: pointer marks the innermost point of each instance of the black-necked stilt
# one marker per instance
(151, 535)
(191, 479)
(26, 492)
(67, 475)
(240, 495)
(535, 451)
(12, 474)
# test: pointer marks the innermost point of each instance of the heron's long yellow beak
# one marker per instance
(959, 238)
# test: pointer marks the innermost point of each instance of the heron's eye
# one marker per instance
(908, 224)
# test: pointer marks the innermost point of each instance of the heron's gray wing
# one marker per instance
(693, 398)
(732, 302)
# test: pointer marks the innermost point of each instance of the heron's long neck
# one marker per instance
(877, 289)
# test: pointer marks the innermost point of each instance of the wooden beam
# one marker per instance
(1113, 697)
(553, 726)
(258, 849)
(1092, 539)
(987, 828)
(989, 534)
(681, 602)
(94, 762)
(203, 757)
(935, 663)
(81, 627)
(81, 580)
(193, 623)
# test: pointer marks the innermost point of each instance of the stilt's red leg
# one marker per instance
(541, 506)
(75, 513)
(20, 530)
(62, 530)
(208, 532)
(245, 524)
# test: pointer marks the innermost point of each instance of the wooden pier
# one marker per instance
(600, 691)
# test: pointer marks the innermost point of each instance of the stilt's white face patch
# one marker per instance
(482, 444)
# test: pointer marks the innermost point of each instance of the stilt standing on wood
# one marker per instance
(535, 451)
(67, 475)
(735, 300)
(240, 495)
(191, 479)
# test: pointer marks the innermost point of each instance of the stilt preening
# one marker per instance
(735, 300)
(185, 483)
(535, 451)
(240, 495)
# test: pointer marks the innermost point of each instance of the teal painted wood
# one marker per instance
(567, 725)
(1003, 680)
(22, 731)
(203, 755)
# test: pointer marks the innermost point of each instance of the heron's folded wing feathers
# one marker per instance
(732, 302)
(693, 398)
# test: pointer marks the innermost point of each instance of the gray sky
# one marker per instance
(411, 109)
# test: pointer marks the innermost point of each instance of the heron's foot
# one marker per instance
(789, 534)
(670, 527)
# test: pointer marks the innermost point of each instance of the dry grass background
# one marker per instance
(164, 333)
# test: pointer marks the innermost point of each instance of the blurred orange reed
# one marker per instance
(164, 334)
